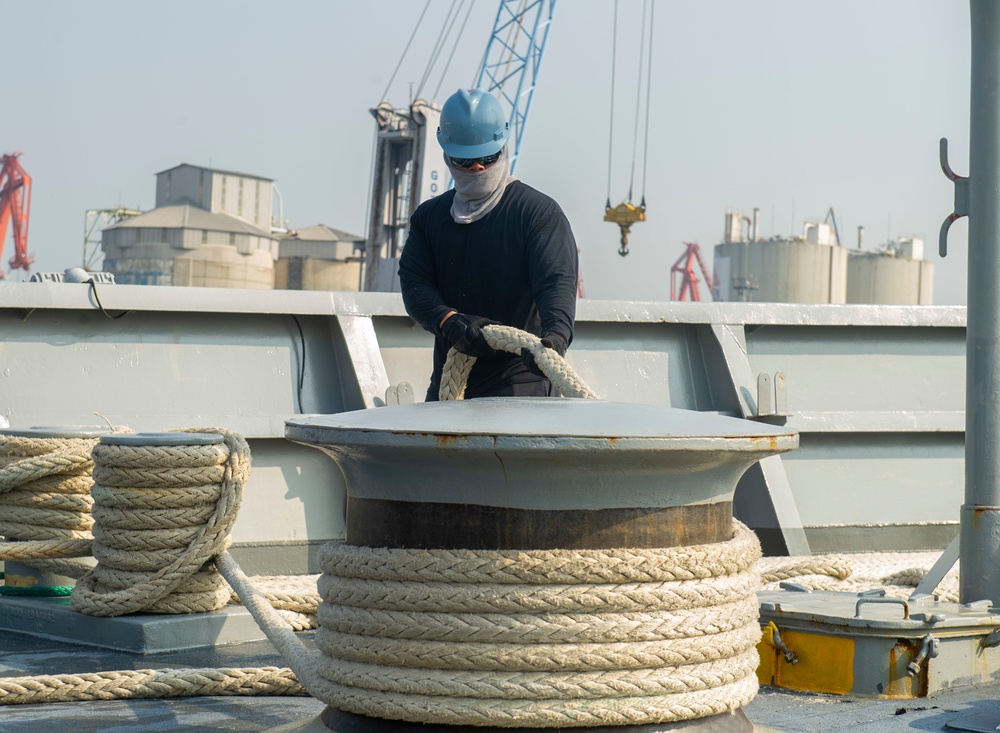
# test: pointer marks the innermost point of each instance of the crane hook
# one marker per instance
(623, 250)
(624, 215)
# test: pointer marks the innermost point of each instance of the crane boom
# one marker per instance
(513, 58)
(684, 266)
(15, 207)
(407, 167)
(831, 217)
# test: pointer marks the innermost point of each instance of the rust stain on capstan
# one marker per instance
(21, 581)
(977, 514)
(771, 441)
(446, 441)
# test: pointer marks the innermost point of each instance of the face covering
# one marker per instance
(477, 194)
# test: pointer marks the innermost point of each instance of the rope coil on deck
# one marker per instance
(45, 502)
(162, 513)
(567, 645)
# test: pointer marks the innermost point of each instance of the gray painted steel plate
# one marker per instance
(141, 439)
(541, 453)
(526, 420)
(65, 431)
(877, 613)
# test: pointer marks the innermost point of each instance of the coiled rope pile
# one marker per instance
(540, 638)
(45, 501)
(163, 513)
(153, 557)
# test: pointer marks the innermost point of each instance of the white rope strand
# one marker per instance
(45, 497)
(457, 366)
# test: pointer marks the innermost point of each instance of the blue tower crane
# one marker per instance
(512, 60)
(408, 168)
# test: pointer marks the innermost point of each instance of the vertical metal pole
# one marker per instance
(980, 520)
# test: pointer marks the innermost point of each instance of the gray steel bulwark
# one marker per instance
(980, 517)
(877, 394)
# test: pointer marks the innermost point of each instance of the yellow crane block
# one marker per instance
(625, 215)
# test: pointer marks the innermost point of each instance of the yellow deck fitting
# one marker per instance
(871, 645)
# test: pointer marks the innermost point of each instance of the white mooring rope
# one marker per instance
(555, 638)
(163, 513)
(455, 372)
(45, 501)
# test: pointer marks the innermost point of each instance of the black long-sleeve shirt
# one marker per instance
(517, 265)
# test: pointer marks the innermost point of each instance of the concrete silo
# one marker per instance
(319, 258)
(210, 228)
(807, 269)
(895, 274)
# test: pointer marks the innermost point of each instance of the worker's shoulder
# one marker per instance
(431, 206)
(526, 195)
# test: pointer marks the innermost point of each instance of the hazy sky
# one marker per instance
(792, 106)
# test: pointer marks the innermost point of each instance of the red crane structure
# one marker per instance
(15, 205)
(689, 279)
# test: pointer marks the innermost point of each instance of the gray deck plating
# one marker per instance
(772, 711)
(55, 618)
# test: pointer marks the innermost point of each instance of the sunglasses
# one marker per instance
(486, 161)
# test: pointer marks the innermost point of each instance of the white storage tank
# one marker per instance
(146, 266)
(319, 258)
(313, 273)
(781, 271)
(896, 274)
(222, 266)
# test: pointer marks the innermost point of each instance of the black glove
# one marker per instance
(550, 341)
(465, 333)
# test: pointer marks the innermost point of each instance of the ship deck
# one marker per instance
(772, 711)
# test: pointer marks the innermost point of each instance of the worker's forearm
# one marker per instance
(556, 302)
(425, 305)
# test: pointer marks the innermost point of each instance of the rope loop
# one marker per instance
(544, 567)
(457, 366)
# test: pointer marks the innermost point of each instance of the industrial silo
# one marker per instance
(319, 258)
(896, 274)
(210, 228)
(222, 266)
(807, 269)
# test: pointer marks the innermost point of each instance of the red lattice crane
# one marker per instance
(15, 206)
(689, 279)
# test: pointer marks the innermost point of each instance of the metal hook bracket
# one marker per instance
(961, 197)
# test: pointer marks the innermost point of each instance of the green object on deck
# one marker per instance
(36, 590)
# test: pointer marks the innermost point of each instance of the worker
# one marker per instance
(491, 250)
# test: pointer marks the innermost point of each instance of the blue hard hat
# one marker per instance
(472, 125)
